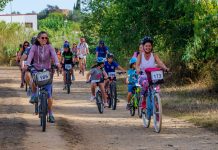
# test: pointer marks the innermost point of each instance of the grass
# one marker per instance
(194, 103)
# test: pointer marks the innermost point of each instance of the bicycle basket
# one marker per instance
(42, 78)
(155, 75)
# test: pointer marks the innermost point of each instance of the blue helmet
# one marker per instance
(100, 60)
(147, 39)
(101, 42)
(66, 45)
(133, 60)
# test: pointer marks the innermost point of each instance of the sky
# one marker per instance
(27, 6)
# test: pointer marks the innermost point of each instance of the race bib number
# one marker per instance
(137, 84)
(157, 75)
(43, 76)
(112, 74)
(68, 66)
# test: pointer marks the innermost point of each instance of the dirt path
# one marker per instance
(80, 126)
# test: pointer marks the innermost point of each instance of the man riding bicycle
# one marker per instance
(101, 50)
(82, 51)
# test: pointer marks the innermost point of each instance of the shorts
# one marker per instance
(64, 64)
(130, 88)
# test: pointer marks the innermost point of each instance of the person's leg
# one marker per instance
(22, 79)
(64, 78)
(80, 64)
(104, 95)
(50, 103)
(27, 77)
(33, 89)
(93, 87)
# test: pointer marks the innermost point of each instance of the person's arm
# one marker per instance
(96, 52)
(160, 63)
(120, 68)
(54, 56)
(105, 75)
(30, 56)
(138, 62)
(87, 48)
(23, 57)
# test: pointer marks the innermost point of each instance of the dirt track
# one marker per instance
(80, 126)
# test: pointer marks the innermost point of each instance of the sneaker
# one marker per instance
(51, 119)
(32, 99)
(65, 87)
(92, 98)
(106, 105)
(21, 85)
(128, 107)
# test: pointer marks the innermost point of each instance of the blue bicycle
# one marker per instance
(153, 102)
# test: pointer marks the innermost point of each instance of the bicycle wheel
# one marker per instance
(145, 117)
(99, 102)
(26, 86)
(68, 79)
(157, 113)
(132, 107)
(140, 106)
(113, 95)
(44, 110)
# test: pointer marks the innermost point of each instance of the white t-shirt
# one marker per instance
(82, 48)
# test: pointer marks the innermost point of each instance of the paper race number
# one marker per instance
(68, 66)
(157, 75)
(43, 76)
(111, 74)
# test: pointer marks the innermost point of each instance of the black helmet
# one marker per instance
(147, 39)
(33, 40)
(110, 55)
(101, 42)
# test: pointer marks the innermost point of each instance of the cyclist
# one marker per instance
(67, 58)
(97, 75)
(41, 53)
(141, 49)
(75, 57)
(101, 50)
(26, 44)
(110, 66)
(131, 80)
(24, 57)
(147, 59)
(82, 51)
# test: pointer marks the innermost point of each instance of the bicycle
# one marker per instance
(112, 91)
(67, 68)
(153, 102)
(41, 79)
(134, 101)
(98, 95)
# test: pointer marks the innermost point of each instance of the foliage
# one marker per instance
(11, 35)
(59, 28)
(184, 31)
(3, 4)
(50, 9)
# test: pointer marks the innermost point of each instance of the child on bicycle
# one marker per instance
(97, 75)
(110, 66)
(131, 80)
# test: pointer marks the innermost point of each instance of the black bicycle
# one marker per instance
(67, 68)
(41, 79)
(112, 90)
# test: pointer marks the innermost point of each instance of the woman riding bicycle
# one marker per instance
(147, 59)
(41, 53)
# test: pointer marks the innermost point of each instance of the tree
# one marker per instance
(44, 13)
(3, 4)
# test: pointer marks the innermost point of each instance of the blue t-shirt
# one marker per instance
(110, 67)
(102, 51)
(132, 77)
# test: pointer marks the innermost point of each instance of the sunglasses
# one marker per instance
(44, 38)
(26, 45)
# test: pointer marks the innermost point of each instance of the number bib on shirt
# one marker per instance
(111, 74)
(68, 66)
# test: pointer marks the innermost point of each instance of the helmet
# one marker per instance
(110, 55)
(101, 42)
(147, 39)
(133, 60)
(33, 40)
(66, 45)
(100, 60)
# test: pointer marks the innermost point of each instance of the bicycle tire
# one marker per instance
(132, 107)
(157, 113)
(99, 102)
(140, 106)
(26, 87)
(113, 96)
(145, 118)
(44, 110)
(68, 79)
